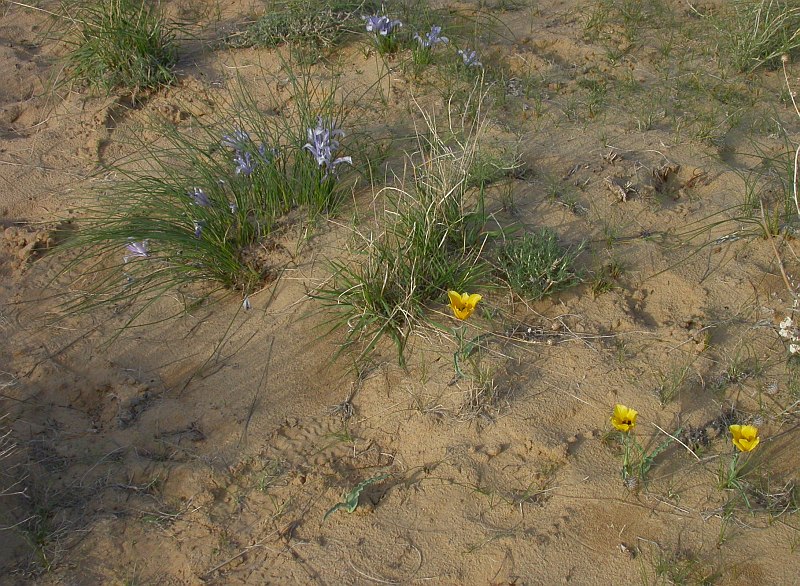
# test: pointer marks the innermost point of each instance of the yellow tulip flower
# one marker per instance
(624, 418)
(463, 304)
(745, 437)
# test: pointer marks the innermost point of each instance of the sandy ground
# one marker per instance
(178, 455)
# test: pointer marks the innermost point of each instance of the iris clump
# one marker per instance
(309, 27)
(381, 25)
(246, 155)
(136, 250)
(192, 208)
(432, 38)
(383, 30)
(199, 197)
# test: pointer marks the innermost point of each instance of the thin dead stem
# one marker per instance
(771, 238)
(690, 450)
(784, 60)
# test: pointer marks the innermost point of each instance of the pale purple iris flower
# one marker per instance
(323, 143)
(381, 25)
(470, 58)
(246, 155)
(199, 197)
(245, 164)
(236, 140)
(432, 38)
(137, 250)
(198, 228)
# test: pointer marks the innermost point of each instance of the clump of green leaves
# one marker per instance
(350, 499)
(683, 566)
(671, 382)
(492, 166)
(536, 265)
(308, 24)
(119, 45)
(606, 278)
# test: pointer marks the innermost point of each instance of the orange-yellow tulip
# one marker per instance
(624, 418)
(745, 437)
(463, 304)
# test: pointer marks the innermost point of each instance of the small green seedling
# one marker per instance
(350, 502)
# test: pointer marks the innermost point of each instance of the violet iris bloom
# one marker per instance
(432, 38)
(323, 143)
(137, 250)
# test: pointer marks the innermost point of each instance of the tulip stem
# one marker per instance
(626, 467)
(732, 480)
(644, 460)
(734, 465)
(459, 335)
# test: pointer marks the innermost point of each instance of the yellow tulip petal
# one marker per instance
(455, 299)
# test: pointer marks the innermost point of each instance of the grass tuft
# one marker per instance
(433, 242)
(759, 32)
(119, 45)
